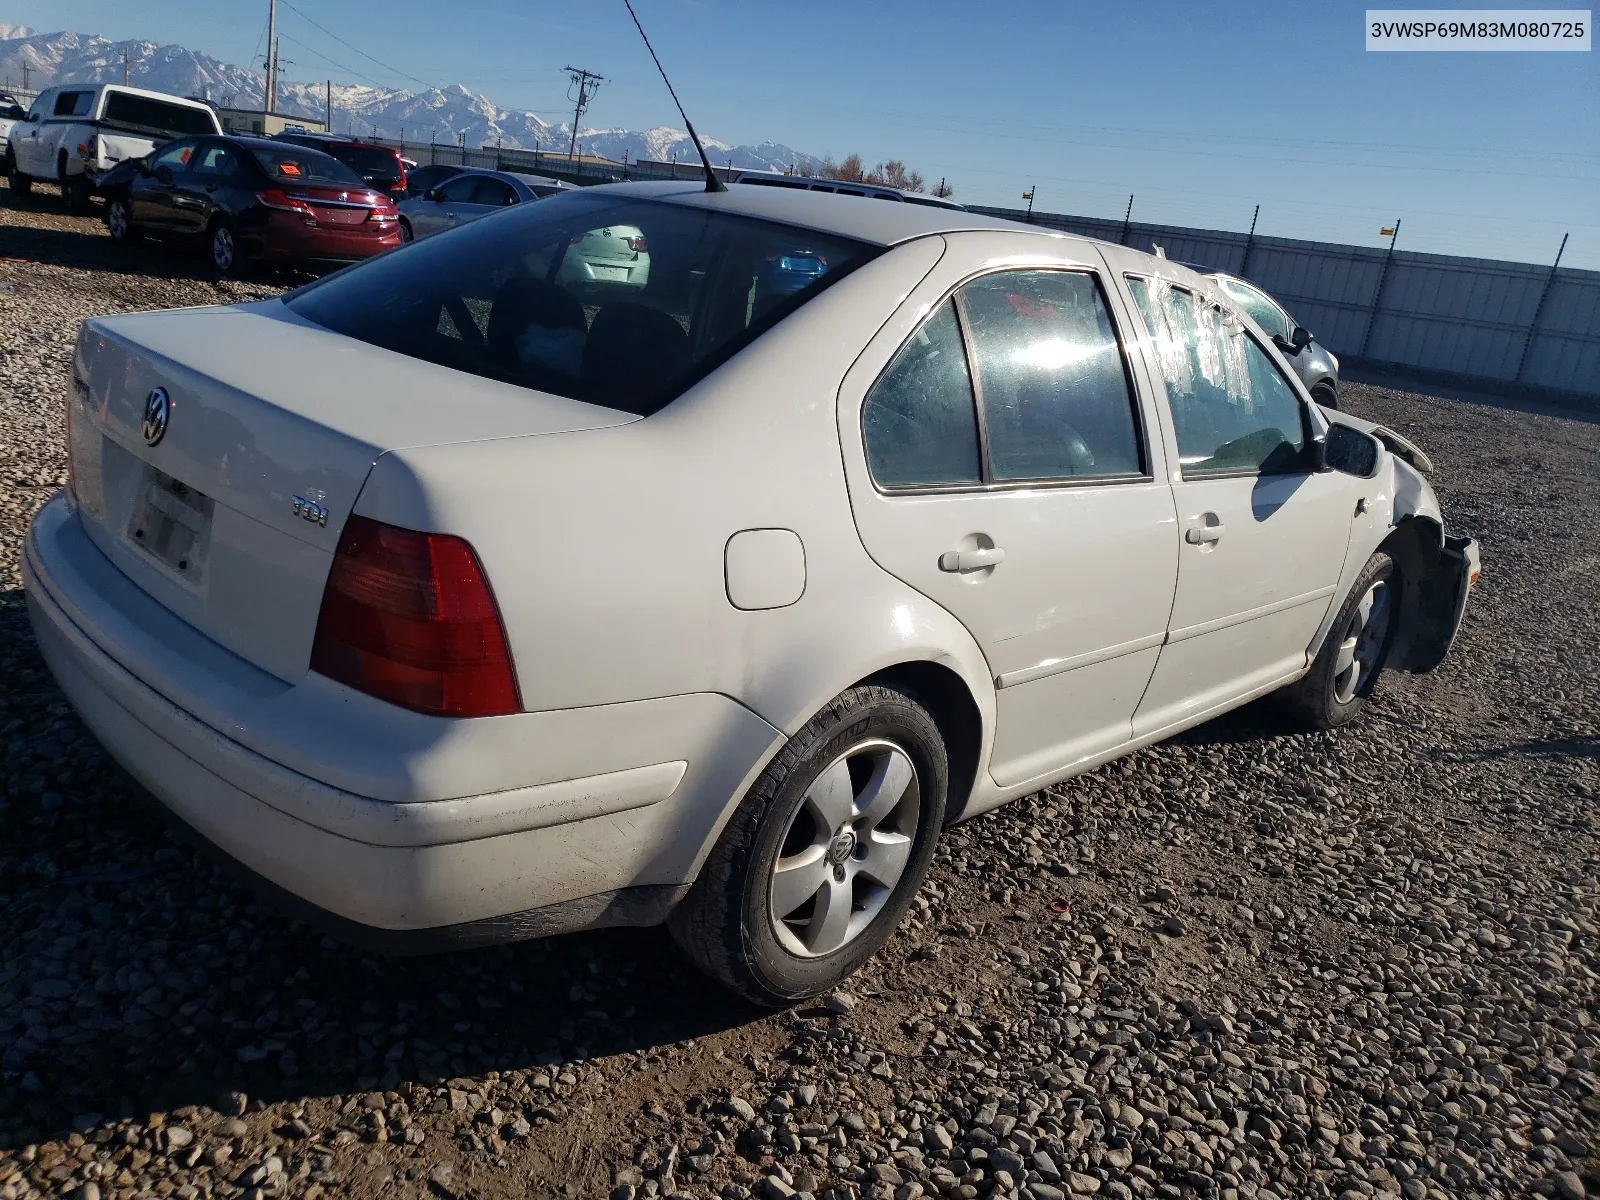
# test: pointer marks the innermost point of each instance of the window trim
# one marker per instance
(988, 484)
(1307, 431)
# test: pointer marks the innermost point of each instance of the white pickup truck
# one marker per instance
(75, 133)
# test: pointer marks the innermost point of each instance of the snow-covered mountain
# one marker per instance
(444, 114)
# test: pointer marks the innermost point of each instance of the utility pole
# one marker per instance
(328, 102)
(1126, 218)
(270, 93)
(1028, 196)
(25, 77)
(587, 83)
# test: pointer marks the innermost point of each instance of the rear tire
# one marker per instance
(19, 183)
(820, 860)
(75, 194)
(1326, 394)
(119, 221)
(223, 248)
(406, 236)
(1346, 670)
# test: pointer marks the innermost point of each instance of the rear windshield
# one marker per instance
(157, 116)
(296, 164)
(599, 297)
(374, 163)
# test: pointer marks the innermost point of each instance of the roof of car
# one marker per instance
(881, 222)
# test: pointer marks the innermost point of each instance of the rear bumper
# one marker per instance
(611, 846)
(287, 238)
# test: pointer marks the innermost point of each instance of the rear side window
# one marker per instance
(215, 160)
(1233, 411)
(74, 104)
(605, 298)
(1051, 380)
(919, 424)
(155, 116)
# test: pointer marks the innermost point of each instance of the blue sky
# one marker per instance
(1199, 111)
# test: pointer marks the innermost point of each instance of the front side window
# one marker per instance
(459, 190)
(919, 424)
(1051, 381)
(1233, 412)
(599, 297)
(1260, 307)
(496, 192)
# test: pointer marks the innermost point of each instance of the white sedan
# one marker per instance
(460, 603)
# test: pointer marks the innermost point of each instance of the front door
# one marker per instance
(999, 464)
(1264, 532)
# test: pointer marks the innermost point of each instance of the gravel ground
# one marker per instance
(1241, 964)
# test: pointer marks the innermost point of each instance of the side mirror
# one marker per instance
(164, 174)
(1300, 338)
(431, 194)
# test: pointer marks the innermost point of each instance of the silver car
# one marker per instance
(1315, 364)
(468, 196)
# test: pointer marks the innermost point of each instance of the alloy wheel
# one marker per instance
(846, 848)
(222, 248)
(1361, 647)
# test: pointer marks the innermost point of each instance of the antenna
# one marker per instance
(713, 184)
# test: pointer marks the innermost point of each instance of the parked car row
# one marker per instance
(644, 554)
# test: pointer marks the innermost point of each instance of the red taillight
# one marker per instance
(639, 245)
(408, 617)
(276, 198)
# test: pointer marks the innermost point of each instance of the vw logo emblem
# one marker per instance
(157, 411)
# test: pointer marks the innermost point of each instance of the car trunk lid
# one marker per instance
(227, 506)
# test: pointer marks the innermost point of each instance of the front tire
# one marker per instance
(819, 862)
(1326, 394)
(1352, 657)
(19, 183)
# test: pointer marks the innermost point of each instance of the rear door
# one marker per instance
(1264, 532)
(153, 197)
(203, 188)
(999, 463)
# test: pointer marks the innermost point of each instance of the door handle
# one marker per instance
(1206, 531)
(971, 560)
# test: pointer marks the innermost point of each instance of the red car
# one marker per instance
(378, 166)
(250, 200)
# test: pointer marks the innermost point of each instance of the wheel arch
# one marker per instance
(1415, 545)
(955, 711)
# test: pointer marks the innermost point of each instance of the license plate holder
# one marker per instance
(171, 523)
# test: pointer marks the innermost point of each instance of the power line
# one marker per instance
(358, 49)
(333, 61)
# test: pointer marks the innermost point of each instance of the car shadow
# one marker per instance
(139, 975)
(82, 241)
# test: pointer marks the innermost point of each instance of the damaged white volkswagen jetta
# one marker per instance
(462, 598)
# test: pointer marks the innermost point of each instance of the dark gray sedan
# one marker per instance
(468, 196)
